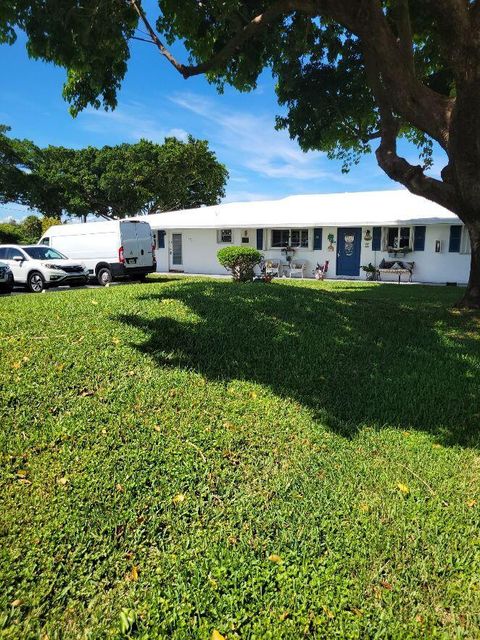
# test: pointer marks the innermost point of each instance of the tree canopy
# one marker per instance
(348, 71)
(114, 182)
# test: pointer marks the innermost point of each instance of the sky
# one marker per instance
(156, 101)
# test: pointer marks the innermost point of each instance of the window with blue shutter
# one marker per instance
(161, 239)
(260, 239)
(455, 238)
(376, 238)
(317, 239)
(419, 238)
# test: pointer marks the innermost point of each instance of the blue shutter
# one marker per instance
(419, 238)
(376, 238)
(317, 239)
(260, 239)
(455, 237)
(161, 239)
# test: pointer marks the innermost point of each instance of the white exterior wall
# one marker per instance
(200, 248)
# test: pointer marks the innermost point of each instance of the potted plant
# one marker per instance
(370, 270)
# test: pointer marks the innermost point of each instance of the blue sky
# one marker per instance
(156, 101)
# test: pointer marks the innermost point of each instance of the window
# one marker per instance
(289, 238)
(224, 236)
(15, 253)
(45, 242)
(3, 253)
(299, 238)
(397, 238)
(44, 253)
(245, 239)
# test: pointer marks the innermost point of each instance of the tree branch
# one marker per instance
(424, 108)
(404, 29)
(396, 167)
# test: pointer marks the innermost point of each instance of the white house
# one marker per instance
(346, 229)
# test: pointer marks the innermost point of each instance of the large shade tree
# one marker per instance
(128, 179)
(110, 182)
(349, 71)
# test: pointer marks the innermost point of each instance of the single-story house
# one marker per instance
(349, 230)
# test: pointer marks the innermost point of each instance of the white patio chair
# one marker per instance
(272, 267)
(297, 267)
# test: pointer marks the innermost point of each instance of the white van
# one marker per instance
(111, 249)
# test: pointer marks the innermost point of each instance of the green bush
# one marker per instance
(240, 261)
(10, 233)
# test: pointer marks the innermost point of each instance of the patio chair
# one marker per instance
(272, 267)
(297, 267)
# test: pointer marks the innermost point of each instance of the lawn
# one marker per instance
(291, 460)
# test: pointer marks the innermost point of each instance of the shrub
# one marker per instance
(10, 233)
(240, 261)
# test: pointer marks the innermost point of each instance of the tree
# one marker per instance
(114, 182)
(349, 71)
(128, 179)
(16, 160)
(31, 229)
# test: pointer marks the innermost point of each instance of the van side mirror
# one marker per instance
(18, 258)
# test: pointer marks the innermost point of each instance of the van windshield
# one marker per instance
(44, 253)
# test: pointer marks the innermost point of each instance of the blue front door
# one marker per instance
(349, 244)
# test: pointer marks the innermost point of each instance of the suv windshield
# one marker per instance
(44, 253)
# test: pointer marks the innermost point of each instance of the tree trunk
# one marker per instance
(471, 299)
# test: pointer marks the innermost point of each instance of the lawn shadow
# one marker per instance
(380, 355)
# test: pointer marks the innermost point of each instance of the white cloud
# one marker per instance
(251, 141)
(129, 122)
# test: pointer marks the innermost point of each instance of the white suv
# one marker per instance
(39, 267)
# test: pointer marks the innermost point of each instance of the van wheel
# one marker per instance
(35, 282)
(104, 276)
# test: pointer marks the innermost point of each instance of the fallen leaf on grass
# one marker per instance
(275, 558)
(133, 575)
(63, 481)
(157, 428)
(115, 340)
(16, 365)
(180, 497)
(24, 481)
(119, 487)
(471, 503)
(328, 612)
(386, 585)
(16, 603)
(85, 393)
(363, 506)
(283, 616)
(403, 488)
(22, 473)
(216, 635)
(93, 301)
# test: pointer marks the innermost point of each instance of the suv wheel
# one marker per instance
(104, 276)
(36, 282)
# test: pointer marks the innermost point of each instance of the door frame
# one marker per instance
(357, 230)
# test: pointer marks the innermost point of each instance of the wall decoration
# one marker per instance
(368, 235)
(331, 240)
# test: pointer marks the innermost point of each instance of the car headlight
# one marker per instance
(48, 265)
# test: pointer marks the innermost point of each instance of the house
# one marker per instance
(347, 229)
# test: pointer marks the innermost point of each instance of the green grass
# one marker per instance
(162, 444)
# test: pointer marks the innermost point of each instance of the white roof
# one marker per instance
(367, 208)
